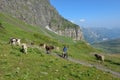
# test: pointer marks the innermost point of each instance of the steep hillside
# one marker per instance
(40, 13)
(14, 65)
(12, 27)
(111, 46)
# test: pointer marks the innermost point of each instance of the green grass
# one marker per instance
(37, 65)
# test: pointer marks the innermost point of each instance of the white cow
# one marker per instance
(18, 42)
(57, 48)
(15, 41)
(24, 48)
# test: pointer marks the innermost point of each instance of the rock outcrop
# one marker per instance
(41, 14)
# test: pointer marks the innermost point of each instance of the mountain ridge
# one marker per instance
(99, 34)
(41, 13)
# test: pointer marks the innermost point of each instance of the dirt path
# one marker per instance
(96, 66)
(100, 67)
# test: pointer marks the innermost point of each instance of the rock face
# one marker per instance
(41, 14)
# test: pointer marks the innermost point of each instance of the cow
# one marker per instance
(42, 45)
(32, 43)
(57, 48)
(49, 48)
(24, 48)
(99, 57)
(12, 41)
(18, 42)
(15, 41)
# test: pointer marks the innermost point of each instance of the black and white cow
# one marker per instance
(24, 48)
(15, 41)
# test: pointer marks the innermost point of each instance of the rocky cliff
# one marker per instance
(41, 14)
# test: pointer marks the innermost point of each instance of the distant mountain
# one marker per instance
(111, 46)
(98, 34)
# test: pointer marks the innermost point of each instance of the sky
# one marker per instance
(90, 13)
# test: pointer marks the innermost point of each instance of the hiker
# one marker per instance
(64, 54)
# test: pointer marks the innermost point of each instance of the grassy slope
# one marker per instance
(112, 60)
(37, 65)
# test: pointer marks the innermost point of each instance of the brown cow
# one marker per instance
(49, 48)
(99, 57)
(32, 43)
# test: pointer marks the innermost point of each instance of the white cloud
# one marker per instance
(72, 21)
(82, 20)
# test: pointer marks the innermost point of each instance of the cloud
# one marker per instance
(82, 20)
(72, 21)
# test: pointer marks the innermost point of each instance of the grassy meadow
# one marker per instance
(37, 65)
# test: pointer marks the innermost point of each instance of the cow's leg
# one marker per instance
(63, 54)
(13, 42)
(47, 51)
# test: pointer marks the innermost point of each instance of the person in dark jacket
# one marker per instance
(64, 54)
